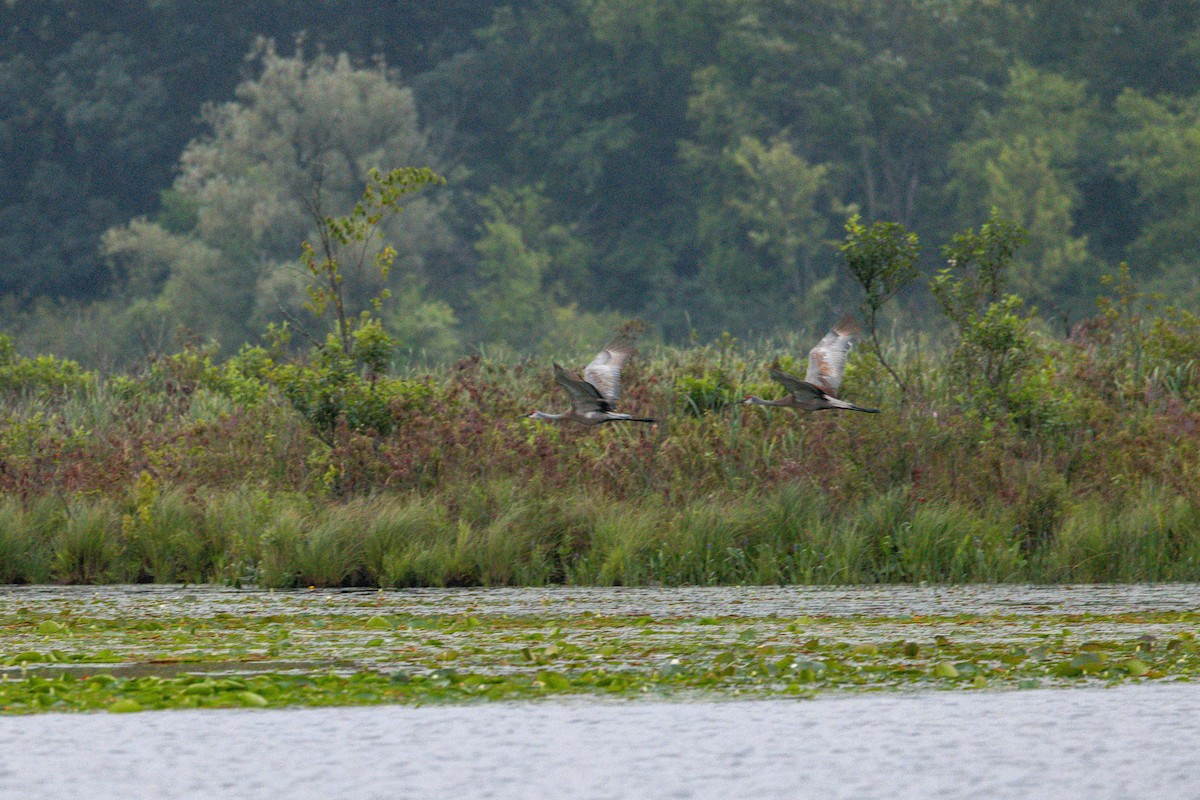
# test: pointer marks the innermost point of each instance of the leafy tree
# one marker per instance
(977, 271)
(587, 101)
(883, 259)
(995, 357)
(510, 304)
(82, 136)
(878, 87)
(245, 189)
(1021, 161)
(347, 243)
(1112, 44)
(1159, 142)
(762, 229)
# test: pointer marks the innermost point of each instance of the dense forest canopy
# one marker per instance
(691, 162)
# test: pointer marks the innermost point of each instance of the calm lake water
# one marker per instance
(1133, 741)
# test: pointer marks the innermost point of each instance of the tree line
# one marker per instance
(691, 162)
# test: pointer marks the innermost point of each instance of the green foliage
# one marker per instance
(683, 162)
(883, 260)
(1023, 162)
(334, 388)
(529, 266)
(219, 258)
(702, 394)
(347, 242)
(976, 275)
(1157, 141)
(41, 376)
(996, 352)
(761, 227)
(703, 387)
(87, 548)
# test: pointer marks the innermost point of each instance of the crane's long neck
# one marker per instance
(758, 401)
(544, 415)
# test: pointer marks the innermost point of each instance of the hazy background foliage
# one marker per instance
(691, 162)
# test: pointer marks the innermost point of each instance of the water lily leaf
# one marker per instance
(809, 670)
(912, 649)
(379, 623)
(865, 649)
(252, 699)
(1089, 662)
(51, 627)
(944, 670)
(554, 681)
(1136, 667)
(125, 706)
(672, 668)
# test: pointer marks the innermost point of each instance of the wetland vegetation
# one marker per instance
(1003, 454)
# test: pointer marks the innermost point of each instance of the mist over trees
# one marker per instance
(691, 162)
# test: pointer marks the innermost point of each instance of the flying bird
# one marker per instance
(826, 363)
(595, 396)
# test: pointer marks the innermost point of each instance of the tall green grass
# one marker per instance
(788, 534)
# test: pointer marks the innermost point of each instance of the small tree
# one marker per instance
(346, 244)
(344, 381)
(995, 348)
(883, 259)
(974, 277)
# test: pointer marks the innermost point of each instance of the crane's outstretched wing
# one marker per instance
(604, 372)
(584, 396)
(827, 361)
(793, 384)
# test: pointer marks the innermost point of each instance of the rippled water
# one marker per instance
(749, 601)
(1133, 741)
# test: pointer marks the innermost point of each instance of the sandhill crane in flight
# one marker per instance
(826, 363)
(595, 396)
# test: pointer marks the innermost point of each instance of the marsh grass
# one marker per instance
(26, 547)
(192, 471)
(782, 535)
(1155, 537)
(87, 544)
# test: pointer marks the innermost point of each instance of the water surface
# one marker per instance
(1132, 741)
